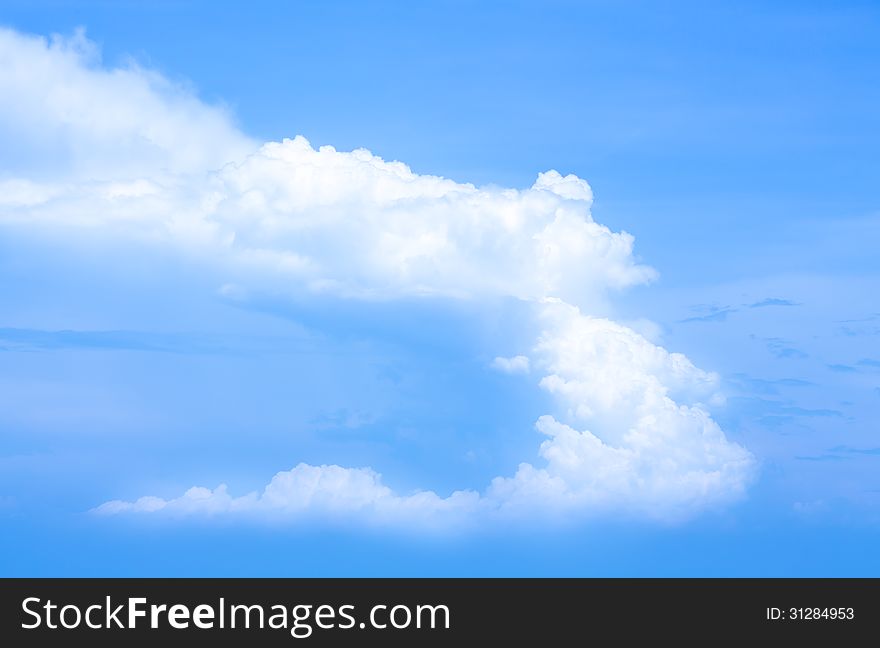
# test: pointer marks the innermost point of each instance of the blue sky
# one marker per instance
(145, 350)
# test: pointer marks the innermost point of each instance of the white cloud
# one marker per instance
(65, 114)
(126, 150)
(650, 454)
(300, 220)
(353, 494)
(516, 364)
(355, 225)
(127, 153)
(652, 448)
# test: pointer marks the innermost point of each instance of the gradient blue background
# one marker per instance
(737, 141)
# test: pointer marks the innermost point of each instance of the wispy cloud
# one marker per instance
(517, 364)
(784, 349)
(842, 453)
(765, 386)
(16, 339)
(776, 412)
(860, 326)
(863, 365)
(873, 317)
(772, 301)
(857, 451)
(34, 340)
(715, 315)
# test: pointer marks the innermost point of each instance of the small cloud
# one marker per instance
(859, 326)
(815, 507)
(841, 453)
(232, 291)
(867, 362)
(791, 352)
(764, 386)
(706, 308)
(764, 408)
(858, 451)
(859, 330)
(717, 316)
(772, 301)
(709, 313)
(793, 382)
(516, 364)
(842, 368)
(784, 349)
(873, 317)
(344, 419)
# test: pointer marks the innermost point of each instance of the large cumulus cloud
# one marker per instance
(135, 156)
